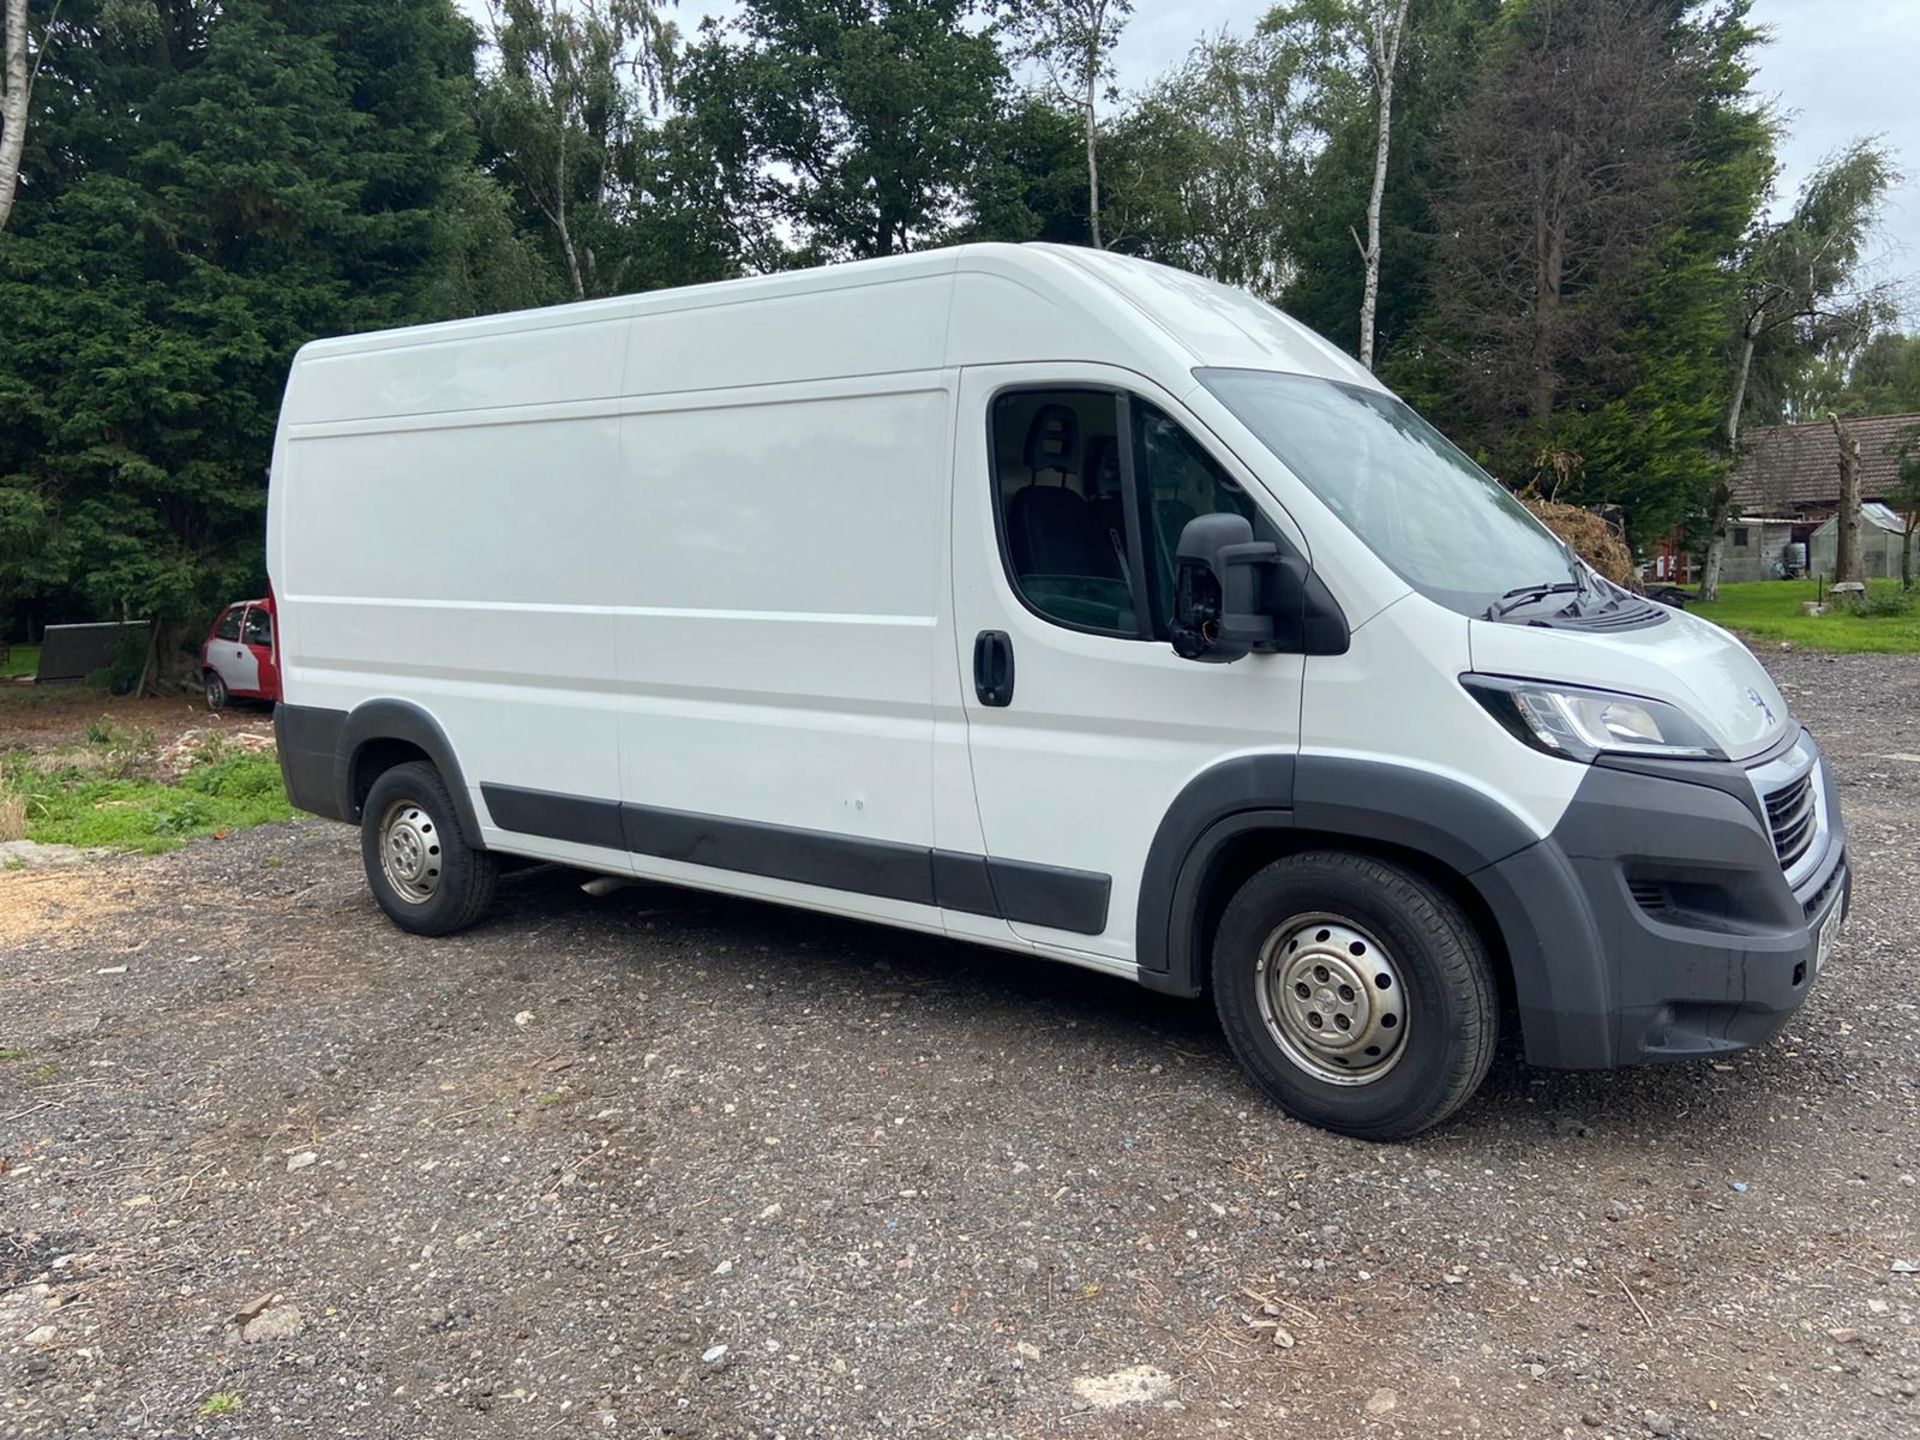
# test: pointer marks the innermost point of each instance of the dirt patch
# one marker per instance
(64, 903)
(661, 1163)
(43, 718)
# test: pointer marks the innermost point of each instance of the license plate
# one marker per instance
(1829, 928)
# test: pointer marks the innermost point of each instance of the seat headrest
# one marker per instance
(1103, 465)
(1053, 440)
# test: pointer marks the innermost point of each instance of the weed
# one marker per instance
(1887, 602)
(13, 1054)
(45, 1075)
(127, 752)
(553, 1098)
(221, 1402)
(72, 807)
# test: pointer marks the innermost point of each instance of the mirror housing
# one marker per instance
(1234, 596)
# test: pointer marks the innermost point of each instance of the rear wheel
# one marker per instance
(421, 869)
(1356, 993)
(216, 691)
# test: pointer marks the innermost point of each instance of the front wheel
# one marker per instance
(216, 691)
(425, 875)
(1356, 993)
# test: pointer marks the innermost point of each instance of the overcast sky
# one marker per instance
(1837, 69)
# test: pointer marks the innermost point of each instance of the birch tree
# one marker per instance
(1385, 27)
(573, 82)
(1800, 293)
(15, 81)
(1072, 42)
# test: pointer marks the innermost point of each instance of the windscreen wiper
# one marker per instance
(1527, 594)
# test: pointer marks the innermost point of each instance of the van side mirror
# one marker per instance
(1219, 586)
(1234, 595)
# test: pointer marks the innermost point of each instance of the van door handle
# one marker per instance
(993, 667)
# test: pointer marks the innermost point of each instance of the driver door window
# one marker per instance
(1058, 503)
(1079, 549)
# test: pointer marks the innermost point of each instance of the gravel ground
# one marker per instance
(665, 1164)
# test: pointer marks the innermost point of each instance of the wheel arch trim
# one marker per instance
(1452, 825)
(376, 720)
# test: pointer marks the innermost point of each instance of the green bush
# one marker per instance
(1887, 602)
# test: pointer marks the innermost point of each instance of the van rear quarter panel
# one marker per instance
(462, 559)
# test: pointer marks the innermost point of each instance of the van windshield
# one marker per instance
(1446, 527)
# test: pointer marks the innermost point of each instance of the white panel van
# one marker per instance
(1051, 600)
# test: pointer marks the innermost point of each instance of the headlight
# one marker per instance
(1580, 724)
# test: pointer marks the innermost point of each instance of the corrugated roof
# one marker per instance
(1872, 513)
(1781, 466)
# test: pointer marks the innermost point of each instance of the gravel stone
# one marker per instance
(516, 1228)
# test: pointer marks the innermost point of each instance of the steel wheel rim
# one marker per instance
(1332, 999)
(410, 852)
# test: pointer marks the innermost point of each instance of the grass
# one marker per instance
(1771, 610)
(21, 660)
(221, 1402)
(106, 794)
(13, 1054)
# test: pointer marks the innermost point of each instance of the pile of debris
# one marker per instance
(209, 745)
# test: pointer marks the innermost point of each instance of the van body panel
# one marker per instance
(777, 631)
(1394, 699)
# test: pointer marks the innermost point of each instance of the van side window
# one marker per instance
(1182, 482)
(229, 626)
(1056, 462)
(259, 628)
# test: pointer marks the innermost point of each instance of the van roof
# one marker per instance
(1008, 303)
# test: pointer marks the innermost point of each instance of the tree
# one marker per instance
(1591, 193)
(1335, 133)
(1072, 41)
(1904, 497)
(842, 129)
(1846, 554)
(1354, 47)
(14, 82)
(1383, 52)
(1567, 164)
(1879, 377)
(1205, 167)
(222, 184)
(563, 114)
(1798, 295)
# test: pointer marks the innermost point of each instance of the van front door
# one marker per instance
(1071, 488)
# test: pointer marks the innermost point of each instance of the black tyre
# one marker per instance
(421, 869)
(1356, 993)
(216, 691)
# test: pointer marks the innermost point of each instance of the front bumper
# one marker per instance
(1657, 921)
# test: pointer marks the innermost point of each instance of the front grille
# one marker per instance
(1818, 901)
(1650, 895)
(1790, 816)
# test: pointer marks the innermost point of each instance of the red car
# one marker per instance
(237, 662)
